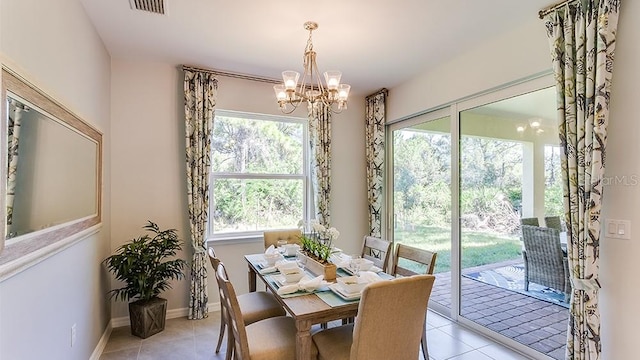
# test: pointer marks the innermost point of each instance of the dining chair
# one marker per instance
(544, 261)
(388, 326)
(253, 307)
(273, 338)
(409, 261)
(271, 237)
(376, 250)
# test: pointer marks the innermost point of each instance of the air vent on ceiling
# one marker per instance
(154, 6)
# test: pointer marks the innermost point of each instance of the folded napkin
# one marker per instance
(283, 265)
(369, 276)
(271, 250)
(305, 284)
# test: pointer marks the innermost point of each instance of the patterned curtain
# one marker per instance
(374, 149)
(200, 102)
(15, 120)
(320, 144)
(582, 38)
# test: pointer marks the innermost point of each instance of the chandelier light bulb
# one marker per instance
(535, 123)
(520, 128)
(290, 79)
(281, 93)
(332, 79)
(343, 92)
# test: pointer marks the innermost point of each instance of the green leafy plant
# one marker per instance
(141, 264)
(319, 243)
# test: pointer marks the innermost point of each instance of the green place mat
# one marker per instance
(334, 300)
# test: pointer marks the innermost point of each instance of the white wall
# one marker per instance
(68, 61)
(524, 52)
(148, 174)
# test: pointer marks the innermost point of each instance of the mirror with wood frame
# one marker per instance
(51, 172)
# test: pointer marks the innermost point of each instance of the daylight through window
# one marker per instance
(259, 169)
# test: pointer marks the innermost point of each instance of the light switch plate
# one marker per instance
(617, 229)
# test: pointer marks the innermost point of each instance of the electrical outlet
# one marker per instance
(73, 334)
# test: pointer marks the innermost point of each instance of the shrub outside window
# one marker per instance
(259, 174)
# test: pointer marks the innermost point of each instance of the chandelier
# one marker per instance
(311, 89)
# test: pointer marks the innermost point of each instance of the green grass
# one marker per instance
(478, 248)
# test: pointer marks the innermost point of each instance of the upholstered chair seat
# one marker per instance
(259, 305)
(334, 343)
(274, 339)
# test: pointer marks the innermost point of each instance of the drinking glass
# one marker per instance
(301, 259)
(354, 264)
(281, 244)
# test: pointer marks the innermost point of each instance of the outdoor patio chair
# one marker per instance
(530, 221)
(414, 261)
(554, 222)
(376, 250)
(271, 237)
(388, 326)
(544, 260)
(253, 307)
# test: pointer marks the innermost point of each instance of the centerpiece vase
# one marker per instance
(328, 270)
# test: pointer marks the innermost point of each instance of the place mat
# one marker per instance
(334, 300)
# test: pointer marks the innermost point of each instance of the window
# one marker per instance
(259, 172)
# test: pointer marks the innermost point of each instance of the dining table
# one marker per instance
(306, 309)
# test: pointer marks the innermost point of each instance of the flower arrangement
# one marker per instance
(318, 243)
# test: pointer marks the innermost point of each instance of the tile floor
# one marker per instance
(196, 340)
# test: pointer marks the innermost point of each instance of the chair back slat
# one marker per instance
(413, 261)
(376, 250)
(241, 345)
(400, 304)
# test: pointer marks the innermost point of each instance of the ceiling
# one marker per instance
(375, 43)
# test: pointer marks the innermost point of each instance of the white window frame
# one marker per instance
(306, 171)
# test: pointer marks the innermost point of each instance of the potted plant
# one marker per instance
(143, 267)
(317, 246)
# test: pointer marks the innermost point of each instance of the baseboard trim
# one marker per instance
(171, 314)
(102, 343)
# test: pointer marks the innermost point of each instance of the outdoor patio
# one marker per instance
(538, 324)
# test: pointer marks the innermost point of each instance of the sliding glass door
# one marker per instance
(422, 193)
(462, 179)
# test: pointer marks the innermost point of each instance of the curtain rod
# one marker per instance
(232, 75)
(542, 13)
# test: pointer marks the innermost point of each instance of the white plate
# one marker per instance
(338, 291)
(282, 281)
(374, 269)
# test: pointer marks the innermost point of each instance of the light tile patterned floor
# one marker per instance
(196, 340)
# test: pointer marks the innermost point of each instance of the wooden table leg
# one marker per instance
(252, 279)
(303, 339)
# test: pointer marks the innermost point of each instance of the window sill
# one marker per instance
(238, 239)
